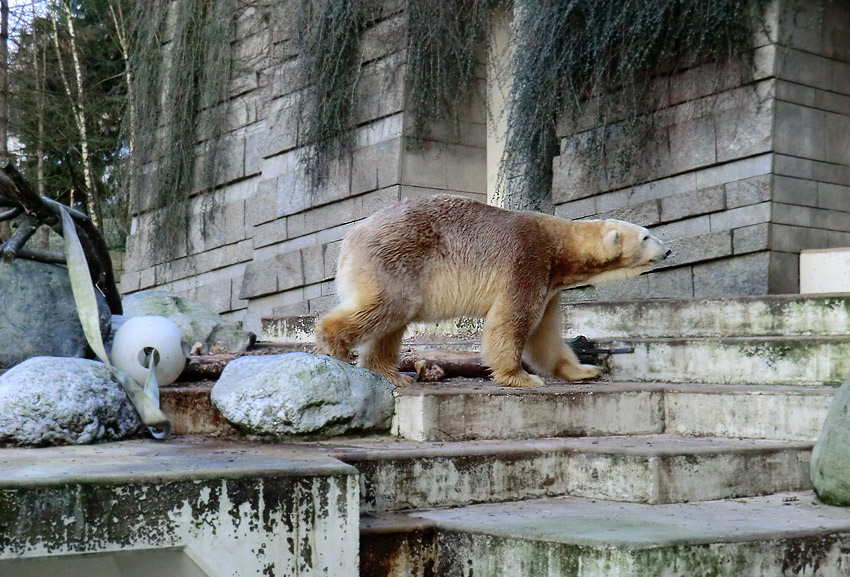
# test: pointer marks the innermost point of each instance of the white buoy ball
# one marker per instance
(133, 342)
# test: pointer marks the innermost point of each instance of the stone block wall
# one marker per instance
(271, 244)
(747, 170)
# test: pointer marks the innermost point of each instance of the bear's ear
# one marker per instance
(612, 244)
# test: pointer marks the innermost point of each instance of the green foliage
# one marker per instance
(181, 68)
(38, 97)
(575, 58)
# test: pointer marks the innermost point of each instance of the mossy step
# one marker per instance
(185, 505)
(401, 475)
(818, 361)
(772, 315)
(783, 534)
(466, 409)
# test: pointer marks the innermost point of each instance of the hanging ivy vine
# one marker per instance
(181, 70)
(446, 42)
(568, 58)
(327, 38)
(572, 56)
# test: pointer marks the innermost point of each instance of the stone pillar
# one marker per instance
(747, 169)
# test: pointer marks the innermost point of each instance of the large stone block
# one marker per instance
(799, 131)
(736, 276)
(784, 273)
(260, 279)
(833, 196)
(671, 283)
(837, 138)
(700, 248)
(466, 168)
(376, 166)
(425, 164)
(690, 204)
(751, 238)
(742, 216)
(735, 170)
(290, 272)
(831, 454)
(693, 144)
(313, 259)
(270, 233)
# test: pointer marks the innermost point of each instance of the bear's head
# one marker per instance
(628, 249)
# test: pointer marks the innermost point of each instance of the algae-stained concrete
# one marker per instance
(787, 534)
(221, 508)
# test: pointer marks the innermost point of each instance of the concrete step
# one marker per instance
(466, 409)
(183, 507)
(736, 360)
(773, 315)
(470, 409)
(786, 534)
(402, 475)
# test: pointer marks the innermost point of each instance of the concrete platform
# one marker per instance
(770, 315)
(182, 507)
(466, 409)
(400, 475)
(778, 535)
(815, 361)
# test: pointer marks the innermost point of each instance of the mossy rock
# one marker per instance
(196, 321)
(830, 465)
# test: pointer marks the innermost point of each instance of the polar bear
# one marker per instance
(433, 258)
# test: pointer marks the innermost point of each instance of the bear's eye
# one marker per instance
(645, 238)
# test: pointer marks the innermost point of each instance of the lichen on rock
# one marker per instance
(302, 394)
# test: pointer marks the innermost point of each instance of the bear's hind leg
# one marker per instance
(547, 352)
(502, 346)
(380, 355)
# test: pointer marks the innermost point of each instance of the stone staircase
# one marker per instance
(690, 458)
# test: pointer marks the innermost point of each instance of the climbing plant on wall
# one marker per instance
(327, 35)
(181, 71)
(571, 59)
(599, 59)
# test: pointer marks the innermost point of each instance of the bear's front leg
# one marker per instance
(505, 333)
(547, 352)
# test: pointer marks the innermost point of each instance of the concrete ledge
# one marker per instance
(813, 361)
(403, 475)
(783, 534)
(467, 409)
(772, 315)
(214, 508)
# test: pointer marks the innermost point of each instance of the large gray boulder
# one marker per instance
(197, 322)
(302, 394)
(55, 401)
(38, 316)
(830, 465)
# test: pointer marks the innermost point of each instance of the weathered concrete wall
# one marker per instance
(272, 244)
(747, 170)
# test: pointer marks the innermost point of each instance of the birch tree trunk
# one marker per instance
(5, 227)
(77, 103)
